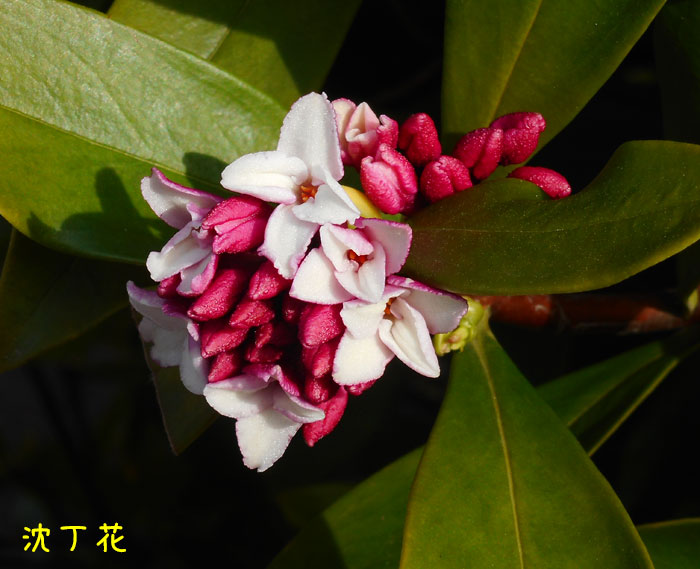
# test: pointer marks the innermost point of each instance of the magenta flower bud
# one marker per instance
(521, 133)
(333, 409)
(277, 333)
(320, 323)
(418, 138)
(443, 177)
(221, 294)
(218, 337)
(389, 180)
(263, 354)
(167, 288)
(292, 309)
(551, 182)
(251, 313)
(319, 389)
(225, 365)
(266, 282)
(480, 151)
(387, 132)
(318, 360)
(239, 224)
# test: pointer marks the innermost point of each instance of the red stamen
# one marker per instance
(308, 191)
(355, 257)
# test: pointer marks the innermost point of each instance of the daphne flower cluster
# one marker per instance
(282, 300)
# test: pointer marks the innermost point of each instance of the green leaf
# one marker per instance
(362, 530)
(185, 415)
(283, 48)
(98, 104)
(47, 298)
(677, 47)
(549, 56)
(674, 544)
(596, 400)
(502, 483)
(640, 209)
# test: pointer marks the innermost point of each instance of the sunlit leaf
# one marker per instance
(503, 483)
(640, 209)
(549, 56)
(283, 48)
(47, 298)
(98, 104)
(674, 544)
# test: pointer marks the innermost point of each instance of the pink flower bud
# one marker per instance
(218, 337)
(418, 138)
(263, 354)
(319, 389)
(320, 323)
(389, 180)
(267, 282)
(239, 224)
(292, 309)
(387, 131)
(221, 294)
(225, 366)
(480, 151)
(443, 177)
(521, 132)
(551, 182)
(251, 313)
(167, 288)
(318, 360)
(333, 409)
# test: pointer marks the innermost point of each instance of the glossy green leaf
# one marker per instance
(503, 483)
(185, 415)
(549, 56)
(362, 530)
(47, 298)
(673, 544)
(640, 209)
(595, 400)
(283, 48)
(98, 104)
(677, 46)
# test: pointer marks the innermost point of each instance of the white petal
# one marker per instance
(395, 238)
(310, 132)
(330, 205)
(362, 318)
(441, 310)
(295, 408)
(270, 176)
(264, 437)
(367, 283)
(337, 241)
(183, 250)
(193, 367)
(407, 336)
(360, 359)
(170, 201)
(197, 277)
(315, 281)
(149, 305)
(286, 240)
(224, 398)
(166, 350)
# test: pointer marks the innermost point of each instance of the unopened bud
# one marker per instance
(389, 180)
(480, 151)
(463, 334)
(418, 138)
(239, 224)
(443, 177)
(552, 183)
(521, 132)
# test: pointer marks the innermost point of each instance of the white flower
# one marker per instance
(268, 409)
(302, 175)
(399, 325)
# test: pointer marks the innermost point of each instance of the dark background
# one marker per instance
(81, 438)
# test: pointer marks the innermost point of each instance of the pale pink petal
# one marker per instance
(194, 369)
(149, 305)
(264, 437)
(330, 205)
(226, 399)
(294, 408)
(358, 360)
(441, 310)
(337, 241)
(170, 201)
(395, 237)
(271, 176)
(166, 348)
(196, 279)
(184, 249)
(406, 334)
(286, 240)
(309, 132)
(315, 281)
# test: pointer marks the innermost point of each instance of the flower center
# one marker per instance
(360, 259)
(308, 191)
(387, 308)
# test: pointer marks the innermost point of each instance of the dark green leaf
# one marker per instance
(674, 544)
(549, 56)
(642, 208)
(47, 298)
(98, 104)
(362, 530)
(594, 401)
(503, 483)
(283, 48)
